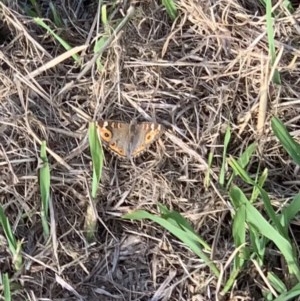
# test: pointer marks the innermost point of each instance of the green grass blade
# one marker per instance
(230, 282)
(239, 236)
(36, 7)
(175, 217)
(13, 244)
(288, 5)
(41, 23)
(290, 212)
(270, 33)
(292, 293)
(56, 17)
(97, 157)
(258, 244)
(44, 179)
(170, 8)
(179, 221)
(184, 235)
(247, 155)
(276, 282)
(11, 240)
(239, 170)
(100, 43)
(104, 15)
(270, 211)
(285, 3)
(243, 160)
(288, 143)
(6, 287)
(260, 183)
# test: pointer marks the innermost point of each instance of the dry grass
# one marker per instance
(208, 69)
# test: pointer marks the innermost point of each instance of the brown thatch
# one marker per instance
(208, 69)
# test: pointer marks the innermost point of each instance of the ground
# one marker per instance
(208, 69)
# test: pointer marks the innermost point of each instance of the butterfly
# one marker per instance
(128, 140)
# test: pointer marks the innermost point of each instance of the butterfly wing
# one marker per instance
(142, 136)
(115, 136)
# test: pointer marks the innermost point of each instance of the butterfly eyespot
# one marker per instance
(148, 137)
(106, 135)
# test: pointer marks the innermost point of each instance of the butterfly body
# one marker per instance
(128, 140)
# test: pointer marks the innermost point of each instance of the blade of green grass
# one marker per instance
(36, 8)
(179, 221)
(97, 157)
(239, 170)
(260, 183)
(289, 213)
(258, 244)
(41, 23)
(276, 282)
(285, 3)
(44, 179)
(13, 244)
(30, 12)
(239, 236)
(174, 217)
(182, 233)
(288, 143)
(170, 8)
(56, 17)
(98, 48)
(288, 5)
(230, 282)
(247, 155)
(292, 293)
(100, 43)
(270, 33)
(104, 15)
(6, 287)
(243, 161)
